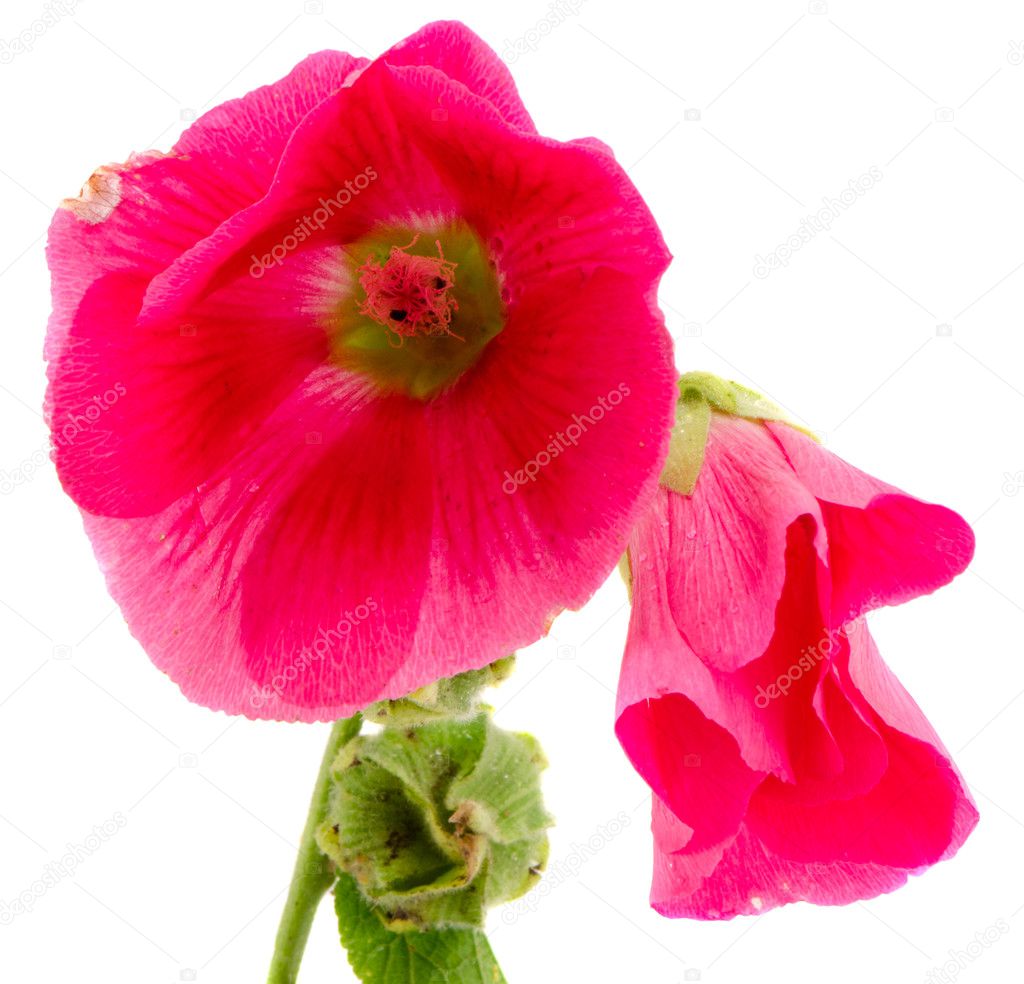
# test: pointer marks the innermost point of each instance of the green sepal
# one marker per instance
(456, 696)
(700, 395)
(732, 398)
(686, 443)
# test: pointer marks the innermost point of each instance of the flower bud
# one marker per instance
(439, 822)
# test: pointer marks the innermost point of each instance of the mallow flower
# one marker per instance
(786, 761)
(368, 378)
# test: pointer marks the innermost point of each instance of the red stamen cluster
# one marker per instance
(410, 294)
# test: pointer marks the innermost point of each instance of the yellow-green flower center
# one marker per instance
(424, 303)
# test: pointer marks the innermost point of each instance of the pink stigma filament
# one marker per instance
(410, 295)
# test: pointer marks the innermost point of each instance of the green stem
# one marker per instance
(313, 875)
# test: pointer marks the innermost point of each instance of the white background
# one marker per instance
(735, 120)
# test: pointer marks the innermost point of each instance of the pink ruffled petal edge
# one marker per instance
(885, 547)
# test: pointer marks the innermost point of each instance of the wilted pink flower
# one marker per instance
(787, 762)
(374, 378)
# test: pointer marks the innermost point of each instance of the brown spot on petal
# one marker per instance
(99, 196)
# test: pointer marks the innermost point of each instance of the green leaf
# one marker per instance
(380, 955)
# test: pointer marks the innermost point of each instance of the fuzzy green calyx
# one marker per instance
(700, 395)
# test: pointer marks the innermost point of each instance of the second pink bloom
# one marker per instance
(787, 762)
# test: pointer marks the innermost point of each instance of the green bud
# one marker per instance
(439, 822)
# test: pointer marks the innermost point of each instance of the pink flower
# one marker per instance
(341, 383)
(787, 763)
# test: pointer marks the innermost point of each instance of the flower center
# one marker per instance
(408, 294)
(424, 303)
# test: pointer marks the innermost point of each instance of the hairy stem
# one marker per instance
(312, 876)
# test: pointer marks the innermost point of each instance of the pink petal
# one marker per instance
(249, 594)
(140, 216)
(350, 527)
(454, 49)
(775, 731)
(861, 756)
(191, 389)
(691, 764)
(131, 223)
(729, 543)
(783, 853)
(916, 814)
(243, 139)
(544, 207)
(885, 547)
(783, 688)
(742, 877)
